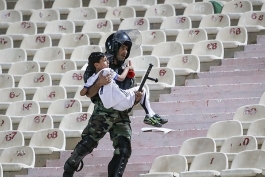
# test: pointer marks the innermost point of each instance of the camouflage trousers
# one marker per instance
(104, 120)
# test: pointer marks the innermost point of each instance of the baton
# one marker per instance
(146, 77)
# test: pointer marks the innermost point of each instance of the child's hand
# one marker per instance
(131, 73)
(104, 80)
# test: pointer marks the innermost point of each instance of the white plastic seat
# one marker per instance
(34, 42)
(11, 138)
(11, 56)
(194, 146)
(165, 50)
(91, 108)
(85, 101)
(246, 163)
(3, 5)
(167, 166)
(27, 7)
(184, 64)
(47, 94)
(61, 107)
(208, 50)
(103, 6)
(262, 99)
(18, 69)
(248, 113)
(253, 21)
(72, 80)
(80, 54)
(179, 4)
(10, 95)
(139, 23)
(142, 5)
(234, 9)
(151, 38)
(70, 41)
(65, 6)
(256, 129)
(6, 80)
(44, 55)
(136, 51)
(212, 23)
(58, 28)
(188, 37)
(115, 14)
(6, 123)
(81, 15)
(165, 76)
(96, 28)
(208, 164)
(46, 141)
(30, 82)
(18, 30)
(34, 122)
(159, 12)
(173, 25)
(216, 130)
(233, 36)
(1, 171)
(17, 158)
(236, 144)
(73, 124)
(43, 16)
(197, 10)
(57, 68)
(6, 42)
(9, 16)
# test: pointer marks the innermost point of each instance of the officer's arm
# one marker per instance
(102, 80)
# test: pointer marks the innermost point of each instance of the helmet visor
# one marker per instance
(134, 34)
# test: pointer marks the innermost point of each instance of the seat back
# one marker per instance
(29, 5)
(6, 123)
(74, 77)
(98, 25)
(83, 99)
(60, 66)
(162, 10)
(13, 55)
(256, 128)
(35, 79)
(11, 138)
(83, 52)
(187, 61)
(262, 99)
(237, 7)
(74, 40)
(82, 13)
(75, 121)
(120, 12)
(215, 20)
(249, 112)
(36, 42)
(45, 15)
(169, 163)
(10, 15)
(64, 106)
(199, 8)
(52, 137)
(141, 3)
(12, 94)
(153, 37)
(193, 35)
(176, 22)
(23, 108)
(208, 47)
(60, 26)
(2, 7)
(50, 93)
(233, 34)
(1, 171)
(252, 18)
(168, 49)
(23, 67)
(49, 54)
(142, 62)
(96, 3)
(6, 80)
(136, 51)
(24, 27)
(5, 42)
(164, 75)
(139, 23)
(35, 122)
(60, 4)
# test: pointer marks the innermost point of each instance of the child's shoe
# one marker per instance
(152, 121)
(160, 119)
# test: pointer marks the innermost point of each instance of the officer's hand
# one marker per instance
(138, 96)
(103, 80)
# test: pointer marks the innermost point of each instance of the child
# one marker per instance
(114, 97)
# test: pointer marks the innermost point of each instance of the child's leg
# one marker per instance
(145, 103)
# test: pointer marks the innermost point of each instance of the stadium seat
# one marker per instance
(179, 4)
(96, 28)
(19, 69)
(85, 101)
(256, 129)
(72, 80)
(80, 54)
(262, 99)
(46, 141)
(34, 42)
(6, 80)
(11, 56)
(184, 64)
(136, 51)
(212, 23)
(139, 23)
(81, 15)
(6, 123)
(194, 146)
(246, 163)
(3, 5)
(232, 36)
(234, 9)
(236, 144)
(34, 122)
(248, 113)
(217, 133)
(150, 38)
(27, 7)
(8, 17)
(46, 54)
(165, 50)
(65, 6)
(6, 42)
(103, 6)
(116, 14)
(103, 39)
(173, 25)
(11, 138)
(47, 94)
(197, 10)
(208, 50)
(188, 37)
(167, 166)
(70, 41)
(142, 5)
(10, 95)
(43, 16)
(30, 82)
(18, 30)
(17, 158)
(58, 28)
(207, 164)
(253, 21)
(57, 68)
(165, 76)
(90, 108)
(59, 108)
(73, 124)
(159, 12)
(1, 171)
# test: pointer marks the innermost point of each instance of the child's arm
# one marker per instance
(124, 73)
(83, 92)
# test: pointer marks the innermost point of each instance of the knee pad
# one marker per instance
(124, 146)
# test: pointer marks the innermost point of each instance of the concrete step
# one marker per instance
(242, 61)
(244, 54)
(236, 68)
(254, 47)
(260, 39)
(237, 72)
